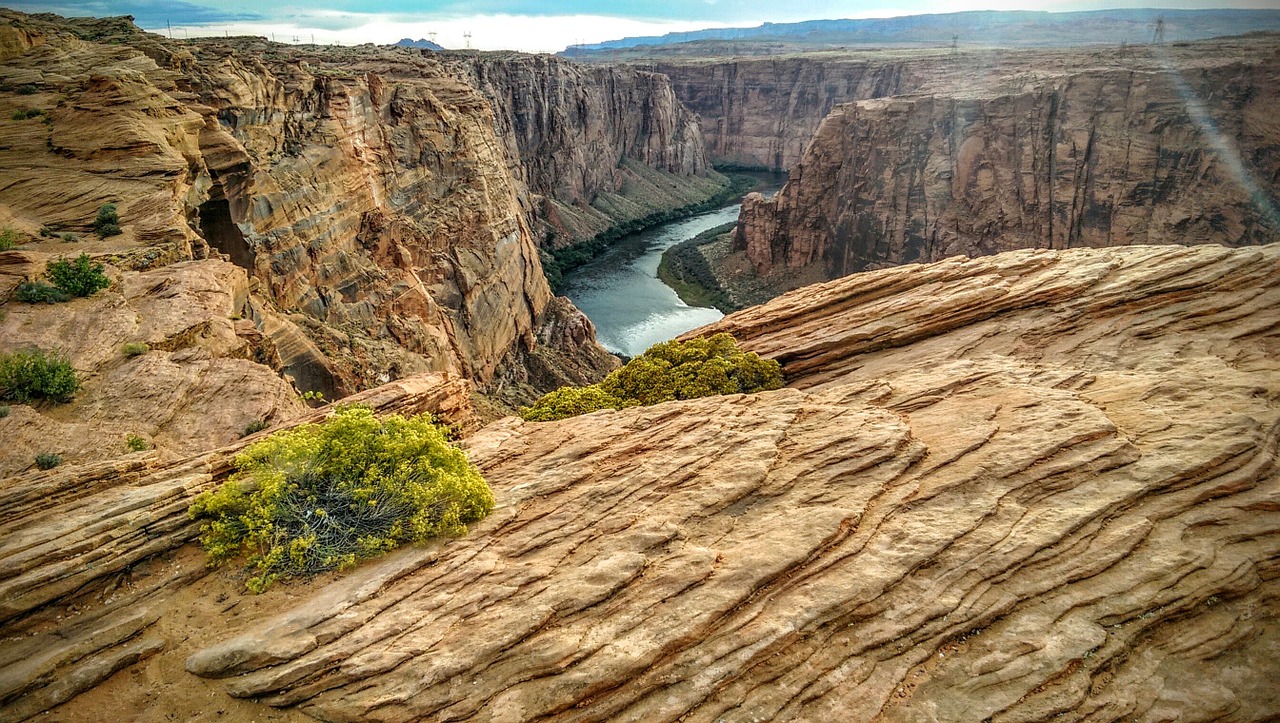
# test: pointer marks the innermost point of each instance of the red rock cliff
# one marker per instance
(1179, 146)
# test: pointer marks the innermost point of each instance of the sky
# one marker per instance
(528, 25)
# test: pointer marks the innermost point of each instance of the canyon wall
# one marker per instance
(761, 112)
(366, 193)
(1175, 145)
(595, 146)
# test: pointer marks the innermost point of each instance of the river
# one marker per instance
(620, 290)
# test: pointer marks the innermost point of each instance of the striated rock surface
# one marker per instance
(596, 146)
(1047, 487)
(1034, 485)
(1097, 148)
(88, 538)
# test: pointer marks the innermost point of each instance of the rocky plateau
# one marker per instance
(1040, 484)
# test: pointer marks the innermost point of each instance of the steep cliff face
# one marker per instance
(1175, 146)
(1030, 486)
(761, 113)
(365, 192)
(596, 147)
(372, 194)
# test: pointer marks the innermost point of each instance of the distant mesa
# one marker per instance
(1024, 28)
(419, 43)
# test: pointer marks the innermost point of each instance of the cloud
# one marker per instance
(488, 32)
(146, 13)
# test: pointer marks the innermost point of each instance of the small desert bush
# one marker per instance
(28, 375)
(324, 496)
(4, 410)
(38, 292)
(254, 427)
(8, 239)
(48, 460)
(26, 89)
(107, 222)
(135, 348)
(81, 277)
(25, 113)
(135, 443)
(668, 371)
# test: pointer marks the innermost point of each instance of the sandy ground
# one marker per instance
(212, 608)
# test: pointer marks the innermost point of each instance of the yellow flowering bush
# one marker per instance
(672, 370)
(324, 496)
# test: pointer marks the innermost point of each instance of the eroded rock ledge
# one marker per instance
(1036, 484)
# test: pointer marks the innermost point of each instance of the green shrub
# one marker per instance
(254, 427)
(38, 292)
(323, 496)
(107, 223)
(8, 239)
(136, 443)
(570, 402)
(135, 348)
(69, 238)
(25, 113)
(26, 89)
(668, 371)
(47, 231)
(48, 460)
(27, 375)
(81, 277)
(19, 114)
(4, 410)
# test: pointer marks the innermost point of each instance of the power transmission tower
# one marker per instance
(955, 42)
(1158, 36)
(431, 36)
(467, 37)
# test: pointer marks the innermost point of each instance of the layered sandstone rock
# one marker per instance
(1097, 148)
(596, 146)
(1034, 485)
(99, 528)
(365, 191)
(204, 377)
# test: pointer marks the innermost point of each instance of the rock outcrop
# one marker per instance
(201, 377)
(1034, 485)
(1096, 148)
(596, 146)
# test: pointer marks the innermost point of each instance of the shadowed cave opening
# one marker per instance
(221, 232)
(228, 204)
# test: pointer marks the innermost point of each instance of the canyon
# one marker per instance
(361, 214)
(1024, 464)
